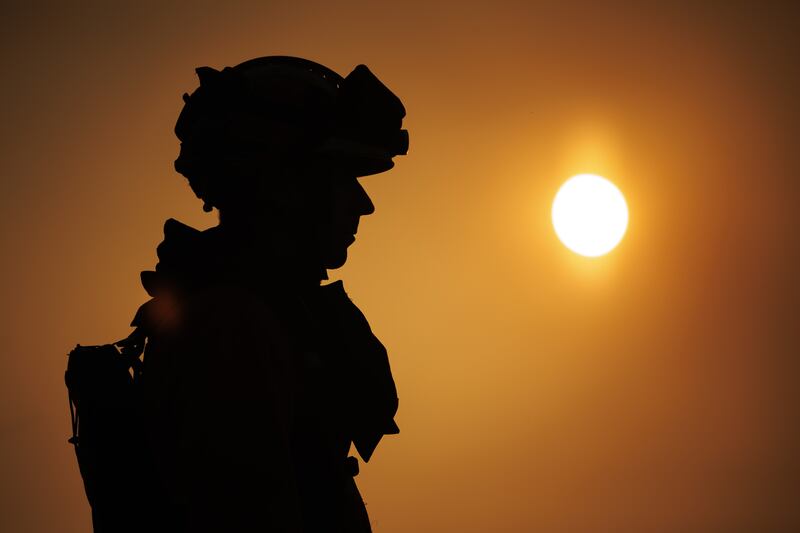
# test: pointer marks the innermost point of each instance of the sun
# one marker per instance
(590, 215)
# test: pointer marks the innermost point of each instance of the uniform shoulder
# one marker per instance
(209, 311)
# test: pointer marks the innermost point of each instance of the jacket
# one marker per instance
(254, 390)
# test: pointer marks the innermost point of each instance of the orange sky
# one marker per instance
(652, 390)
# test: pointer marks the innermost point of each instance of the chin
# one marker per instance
(335, 259)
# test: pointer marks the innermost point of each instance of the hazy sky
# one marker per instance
(651, 390)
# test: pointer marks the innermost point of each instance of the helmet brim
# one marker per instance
(358, 158)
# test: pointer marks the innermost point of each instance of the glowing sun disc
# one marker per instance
(590, 215)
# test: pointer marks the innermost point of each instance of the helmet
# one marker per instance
(286, 107)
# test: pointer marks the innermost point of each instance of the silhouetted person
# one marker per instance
(256, 377)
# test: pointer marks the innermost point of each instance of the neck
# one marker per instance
(271, 263)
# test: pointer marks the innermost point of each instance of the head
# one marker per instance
(277, 145)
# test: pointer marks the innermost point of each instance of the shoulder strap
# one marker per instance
(132, 348)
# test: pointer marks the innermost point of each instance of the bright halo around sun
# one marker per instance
(590, 215)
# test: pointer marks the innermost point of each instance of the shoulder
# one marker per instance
(223, 324)
(203, 311)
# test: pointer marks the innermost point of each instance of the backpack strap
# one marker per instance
(132, 348)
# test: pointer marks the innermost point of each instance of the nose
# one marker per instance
(364, 204)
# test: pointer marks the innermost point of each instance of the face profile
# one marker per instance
(348, 203)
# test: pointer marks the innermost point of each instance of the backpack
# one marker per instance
(104, 390)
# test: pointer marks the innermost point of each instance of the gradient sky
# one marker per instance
(651, 390)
